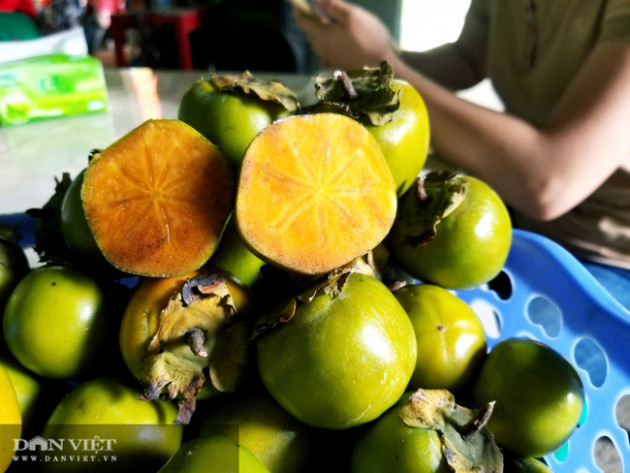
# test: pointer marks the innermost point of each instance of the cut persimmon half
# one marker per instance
(157, 199)
(314, 193)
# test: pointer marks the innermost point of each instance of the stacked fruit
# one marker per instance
(261, 286)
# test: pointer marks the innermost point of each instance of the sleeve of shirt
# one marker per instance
(616, 20)
(480, 10)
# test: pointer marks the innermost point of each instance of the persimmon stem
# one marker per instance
(196, 338)
(186, 408)
(472, 428)
(348, 87)
(396, 285)
(420, 190)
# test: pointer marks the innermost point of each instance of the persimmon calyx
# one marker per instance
(246, 82)
(467, 444)
(200, 336)
(365, 94)
(331, 283)
(435, 196)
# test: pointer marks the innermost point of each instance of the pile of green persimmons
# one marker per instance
(245, 365)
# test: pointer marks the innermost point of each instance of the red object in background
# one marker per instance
(104, 9)
(23, 6)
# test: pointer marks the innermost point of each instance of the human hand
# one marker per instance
(345, 35)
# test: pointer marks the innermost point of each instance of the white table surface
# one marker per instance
(34, 154)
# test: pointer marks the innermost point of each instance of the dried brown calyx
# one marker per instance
(436, 195)
(467, 444)
(331, 283)
(202, 341)
(267, 90)
(365, 94)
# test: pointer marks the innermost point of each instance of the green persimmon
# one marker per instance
(281, 442)
(13, 263)
(74, 225)
(452, 230)
(428, 432)
(216, 454)
(405, 139)
(55, 320)
(342, 358)
(390, 446)
(524, 465)
(10, 420)
(229, 112)
(391, 109)
(141, 434)
(450, 337)
(233, 256)
(539, 396)
(28, 387)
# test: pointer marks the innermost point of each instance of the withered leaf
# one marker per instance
(167, 375)
(186, 410)
(359, 265)
(204, 303)
(50, 245)
(331, 283)
(204, 284)
(436, 195)
(199, 330)
(365, 94)
(9, 235)
(467, 444)
(444, 190)
(426, 408)
(267, 90)
(466, 453)
(334, 282)
(281, 315)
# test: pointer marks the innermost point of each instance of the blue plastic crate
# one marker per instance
(545, 293)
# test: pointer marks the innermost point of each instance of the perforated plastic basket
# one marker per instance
(548, 295)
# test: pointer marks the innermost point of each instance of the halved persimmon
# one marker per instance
(314, 193)
(157, 200)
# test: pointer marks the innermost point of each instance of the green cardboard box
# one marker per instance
(49, 86)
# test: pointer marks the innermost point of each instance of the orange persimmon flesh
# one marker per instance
(314, 193)
(157, 199)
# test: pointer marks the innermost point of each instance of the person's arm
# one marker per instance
(351, 37)
(541, 172)
(457, 65)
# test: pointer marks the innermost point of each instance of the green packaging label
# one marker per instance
(51, 86)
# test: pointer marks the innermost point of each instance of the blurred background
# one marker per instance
(230, 34)
(210, 35)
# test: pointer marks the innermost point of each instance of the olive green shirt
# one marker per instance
(535, 48)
